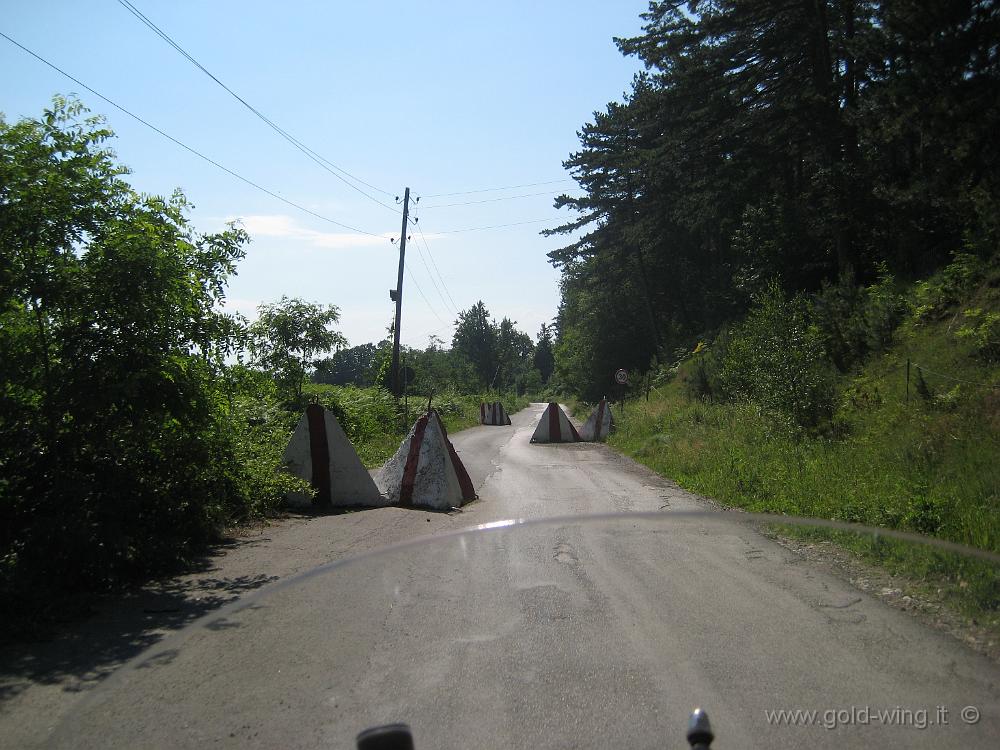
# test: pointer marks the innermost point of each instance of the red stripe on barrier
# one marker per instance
(319, 454)
(482, 413)
(412, 459)
(555, 431)
(572, 430)
(464, 480)
(600, 420)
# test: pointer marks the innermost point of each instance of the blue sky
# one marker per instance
(443, 97)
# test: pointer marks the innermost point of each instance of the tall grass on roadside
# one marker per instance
(902, 469)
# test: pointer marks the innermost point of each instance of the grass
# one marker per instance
(927, 463)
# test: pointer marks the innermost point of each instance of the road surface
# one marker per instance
(560, 635)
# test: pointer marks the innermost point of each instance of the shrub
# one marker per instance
(935, 295)
(857, 321)
(775, 358)
(982, 329)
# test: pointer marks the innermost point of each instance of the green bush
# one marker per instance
(701, 378)
(126, 443)
(259, 427)
(857, 321)
(776, 359)
(983, 330)
(933, 297)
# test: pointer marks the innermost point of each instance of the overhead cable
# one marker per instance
(310, 153)
(957, 380)
(494, 200)
(423, 260)
(427, 301)
(443, 284)
(197, 153)
(496, 226)
(495, 189)
(428, 334)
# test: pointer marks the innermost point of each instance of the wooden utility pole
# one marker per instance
(397, 295)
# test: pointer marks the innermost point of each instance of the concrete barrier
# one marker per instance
(599, 424)
(320, 453)
(426, 471)
(554, 427)
(493, 413)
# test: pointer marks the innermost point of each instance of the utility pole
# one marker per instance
(397, 296)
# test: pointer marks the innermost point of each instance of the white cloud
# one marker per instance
(285, 227)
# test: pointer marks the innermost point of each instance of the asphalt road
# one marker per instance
(553, 635)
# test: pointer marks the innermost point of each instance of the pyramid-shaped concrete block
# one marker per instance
(320, 453)
(493, 413)
(554, 427)
(426, 471)
(599, 424)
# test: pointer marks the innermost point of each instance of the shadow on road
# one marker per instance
(79, 654)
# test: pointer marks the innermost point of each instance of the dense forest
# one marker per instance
(786, 163)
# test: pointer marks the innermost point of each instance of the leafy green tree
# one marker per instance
(288, 337)
(475, 339)
(543, 358)
(348, 366)
(498, 354)
(437, 369)
(115, 411)
(514, 350)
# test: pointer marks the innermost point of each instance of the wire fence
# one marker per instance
(921, 385)
(946, 376)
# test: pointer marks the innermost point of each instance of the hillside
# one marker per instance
(921, 458)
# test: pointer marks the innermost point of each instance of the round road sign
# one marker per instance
(621, 377)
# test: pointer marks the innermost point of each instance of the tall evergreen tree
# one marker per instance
(802, 142)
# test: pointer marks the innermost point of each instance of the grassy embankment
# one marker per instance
(928, 462)
(369, 417)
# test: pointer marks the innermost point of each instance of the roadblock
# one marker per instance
(493, 413)
(320, 453)
(426, 470)
(554, 427)
(599, 424)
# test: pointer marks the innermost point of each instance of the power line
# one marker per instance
(494, 200)
(428, 334)
(494, 189)
(427, 301)
(197, 153)
(318, 158)
(423, 260)
(310, 153)
(495, 226)
(434, 263)
(424, 240)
